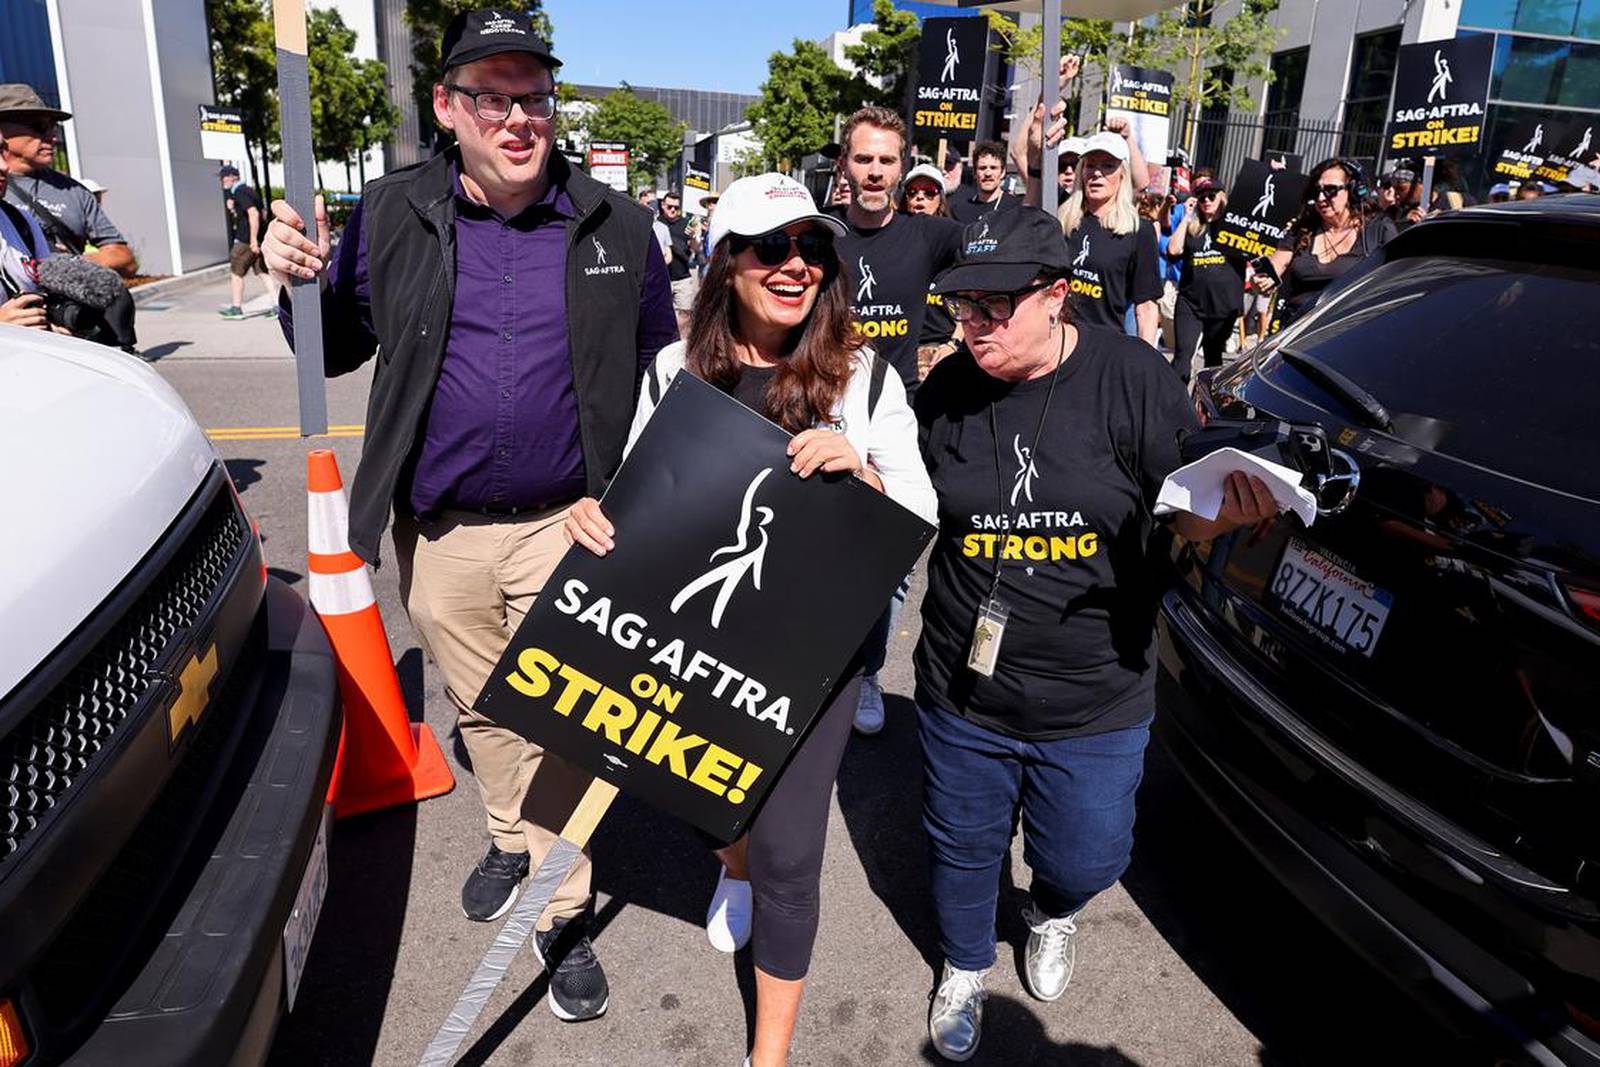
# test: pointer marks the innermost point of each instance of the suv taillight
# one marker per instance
(13, 1039)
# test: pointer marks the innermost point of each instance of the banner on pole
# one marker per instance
(608, 163)
(222, 134)
(1262, 205)
(950, 75)
(1144, 98)
(685, 666)
(696, 187)
(1441, 92)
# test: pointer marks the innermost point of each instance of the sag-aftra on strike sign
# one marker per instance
(687, 664)
(1441, 90)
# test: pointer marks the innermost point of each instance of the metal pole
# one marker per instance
(1049, 93)
(299, 189)
(1427, 184)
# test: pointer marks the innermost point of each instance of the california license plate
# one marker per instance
(1322, 592)
(302, 924)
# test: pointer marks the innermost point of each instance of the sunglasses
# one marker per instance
(919, 192)
(1210, 194)
(1331, 190)
(774, 249)
(996, 307)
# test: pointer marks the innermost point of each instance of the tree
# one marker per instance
(1092, 40)
(886, 58)
(245, 65)
(804, 93)
(652, 135)
(427, 20)
(1218, 62)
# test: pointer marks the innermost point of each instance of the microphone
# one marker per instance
(79, 280)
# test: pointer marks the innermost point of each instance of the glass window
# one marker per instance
(1546, 16)
(1489, 14)
(1529, 69)
(1283, 100)
(1429, 337)
(1371, 77)
(1588, 19)
(1580, 81)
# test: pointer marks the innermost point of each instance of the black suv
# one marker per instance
(1398, 708)
(163, 828)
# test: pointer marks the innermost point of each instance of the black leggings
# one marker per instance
(1190, 331)
(787, 838)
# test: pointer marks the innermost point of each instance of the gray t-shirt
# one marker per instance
(73, 207)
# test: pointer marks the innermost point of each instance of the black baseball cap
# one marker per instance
(474, 35)
(228, 170)
(1005, 251)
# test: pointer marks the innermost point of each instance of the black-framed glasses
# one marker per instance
(921, 192)
(669, 205)
(1330, 190)
(496, 107)
(996, 307)
(774, 249)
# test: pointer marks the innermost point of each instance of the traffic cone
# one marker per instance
(384, 758)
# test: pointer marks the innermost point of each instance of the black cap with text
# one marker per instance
(474, 35)
(1005, 251)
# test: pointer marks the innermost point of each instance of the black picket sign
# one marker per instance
(1441, 92)
(1261, 206)
(951, 68)
(687, 664)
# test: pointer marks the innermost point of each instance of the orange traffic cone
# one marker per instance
(384, 758)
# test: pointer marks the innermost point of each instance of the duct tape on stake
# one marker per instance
(299, 188)
(519, 925)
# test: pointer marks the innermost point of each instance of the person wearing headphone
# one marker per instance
(1338, 229)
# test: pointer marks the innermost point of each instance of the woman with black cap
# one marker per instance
(1210, 286)
(1047, 445)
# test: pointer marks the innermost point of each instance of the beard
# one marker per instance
(868, 199)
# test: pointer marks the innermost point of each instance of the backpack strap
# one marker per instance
(652, 382)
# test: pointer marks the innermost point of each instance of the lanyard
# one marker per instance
(1031, 461)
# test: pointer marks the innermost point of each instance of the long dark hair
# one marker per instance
(814, 372)
(1306, 227)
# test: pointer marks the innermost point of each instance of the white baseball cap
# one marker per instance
(762, 203)
(1110, 143)
(1074, 146)
(928, 171)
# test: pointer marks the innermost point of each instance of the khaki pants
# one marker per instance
(467, 581)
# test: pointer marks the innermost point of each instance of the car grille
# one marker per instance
(60, 738)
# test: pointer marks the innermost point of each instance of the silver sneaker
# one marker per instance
(955, 1019)
(1047, 964)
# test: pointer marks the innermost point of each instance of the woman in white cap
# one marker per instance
(923, 193)
(772, 327)
(1113, 251)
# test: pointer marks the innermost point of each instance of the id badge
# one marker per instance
(987, 633)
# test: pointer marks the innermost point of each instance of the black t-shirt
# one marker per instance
(1110, 272)
(965, 205)
(1307, 276)
(751, 388)
(1212, 283)
(678, 231)
(240, 199)
(1072, 525)
(888, 270)
(937, 324)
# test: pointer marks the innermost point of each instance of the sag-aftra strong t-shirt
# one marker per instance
(1071, 524)
(888, 270)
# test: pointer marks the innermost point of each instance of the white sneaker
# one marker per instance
(1048, 961)
(728, 918)
(869, 709)
(955, 1018)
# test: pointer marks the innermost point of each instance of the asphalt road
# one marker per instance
(1196, 958)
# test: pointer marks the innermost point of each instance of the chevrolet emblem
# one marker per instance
(194, 692)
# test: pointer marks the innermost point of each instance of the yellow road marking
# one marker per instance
(278, 433)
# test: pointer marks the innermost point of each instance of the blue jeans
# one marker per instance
(1076, 797)
(875, 649)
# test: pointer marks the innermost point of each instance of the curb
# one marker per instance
(144, 294)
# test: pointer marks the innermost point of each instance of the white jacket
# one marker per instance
(887, 440)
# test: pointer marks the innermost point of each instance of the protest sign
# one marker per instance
(222, 134)
(1144, 98)
(685, 666)
(696, 187)
(1521, 151)
(608, 163)
(1569, 147)
(1261, 205)
(952, 66)
(1441, 90)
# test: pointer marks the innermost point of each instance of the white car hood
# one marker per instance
(99, 457)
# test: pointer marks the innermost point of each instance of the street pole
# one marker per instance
(1049, 93)
(1427, 184)
(299, 189)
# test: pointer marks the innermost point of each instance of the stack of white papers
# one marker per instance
(1197, 487)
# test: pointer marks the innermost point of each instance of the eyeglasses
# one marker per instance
(774, 249)
(38, 127)
(496, 107)
(1331, 190)
(996, 307)
(669, 205)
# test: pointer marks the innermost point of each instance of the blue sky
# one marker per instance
(687, 44)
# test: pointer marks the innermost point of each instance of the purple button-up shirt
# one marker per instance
(501, 432)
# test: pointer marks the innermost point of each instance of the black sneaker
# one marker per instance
(578, 989)
(491, 888)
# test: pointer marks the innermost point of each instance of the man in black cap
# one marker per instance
(246, 222)
(515, 303)
(72, 218)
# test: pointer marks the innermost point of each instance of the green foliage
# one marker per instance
(243, 57)
(888, 54)
(804, 92)
(652, 135)
(1217, 63)
(350, 109)
(427, 20)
